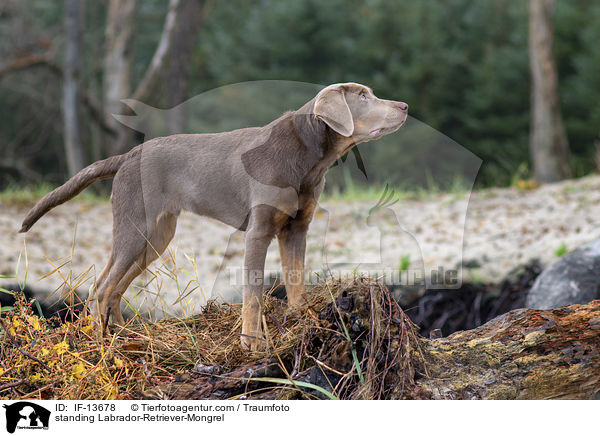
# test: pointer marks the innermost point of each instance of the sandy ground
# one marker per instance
(492, 231)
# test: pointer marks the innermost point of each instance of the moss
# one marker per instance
(504, 391)
(534, 338)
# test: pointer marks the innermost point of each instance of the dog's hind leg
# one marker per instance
(119, 266)
(92, 295)
(157, 243)
(133, 222)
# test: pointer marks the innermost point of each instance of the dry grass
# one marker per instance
(351, 341)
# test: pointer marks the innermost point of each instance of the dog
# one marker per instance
(265, 181)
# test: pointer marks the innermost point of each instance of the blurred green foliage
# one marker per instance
(461, 65)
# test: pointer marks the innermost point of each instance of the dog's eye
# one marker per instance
(363, 97)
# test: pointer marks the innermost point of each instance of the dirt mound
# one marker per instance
(352, 342)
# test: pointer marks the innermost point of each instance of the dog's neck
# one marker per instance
(309, 130)
(323, 145)
(300, 150)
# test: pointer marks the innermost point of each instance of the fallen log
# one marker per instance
(523, 354)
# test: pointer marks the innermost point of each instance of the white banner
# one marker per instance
(281, 417)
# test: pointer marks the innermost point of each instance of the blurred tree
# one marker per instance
(119, 33)
(578, 61)
(156, 71)
(549, 147)
(462, 66)
(173, 53)
(184, 43)
(71, 75)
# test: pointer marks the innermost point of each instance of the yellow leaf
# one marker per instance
(118, 362)
(61, 348)
(45, 352)
(35, 322)
(78, 370)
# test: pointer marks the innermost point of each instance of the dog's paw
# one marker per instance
(252, 343)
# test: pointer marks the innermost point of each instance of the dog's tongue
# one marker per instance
(374, 132)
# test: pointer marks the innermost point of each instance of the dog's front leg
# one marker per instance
(257, 243)
(292, 249)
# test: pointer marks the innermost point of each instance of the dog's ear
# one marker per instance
(332, 108)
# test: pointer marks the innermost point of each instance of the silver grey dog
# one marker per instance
(265, 181)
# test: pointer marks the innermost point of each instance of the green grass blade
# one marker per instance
(39, 308)
(357, 365)
(285, 381)
(6, 291)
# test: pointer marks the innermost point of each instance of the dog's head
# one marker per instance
(353, 111)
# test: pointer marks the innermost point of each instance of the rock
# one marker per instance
(574, 279)
(49, 304)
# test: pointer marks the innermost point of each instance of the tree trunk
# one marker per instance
(548, 141)
(184, 42)
(120, 25)
(73, 14)
(179, 31)
(157, 68)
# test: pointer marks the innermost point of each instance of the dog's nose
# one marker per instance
(402, 106)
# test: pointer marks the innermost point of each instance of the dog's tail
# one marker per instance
(102, 169)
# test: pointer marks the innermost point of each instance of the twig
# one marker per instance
(11, 385)
(277, 324)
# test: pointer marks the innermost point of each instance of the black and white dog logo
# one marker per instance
(26, 415)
